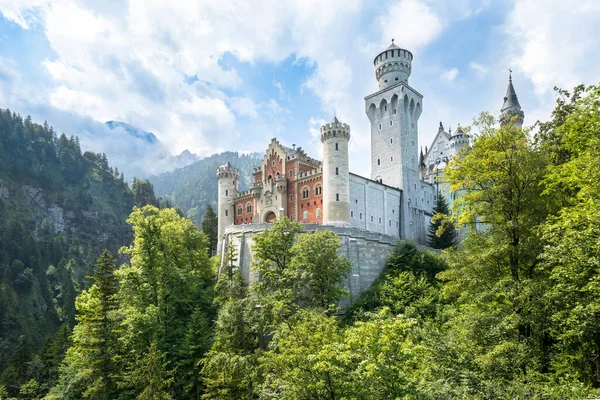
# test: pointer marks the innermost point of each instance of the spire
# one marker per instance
(421, 158)
(335, 120)
(511, 101)
(392, 46)
(511, 106)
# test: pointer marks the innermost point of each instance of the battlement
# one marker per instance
(227, 171)
(311, 174)
(392, 66)
(335, 130)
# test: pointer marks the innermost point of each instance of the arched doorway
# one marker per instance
(270, 217)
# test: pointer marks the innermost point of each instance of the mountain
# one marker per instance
(59, 208)
(138, 153)
(194, 186)
(148, 137)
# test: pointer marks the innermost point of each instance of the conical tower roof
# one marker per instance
(511, 101)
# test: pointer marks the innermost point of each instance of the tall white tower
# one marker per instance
(394, 112)
(228, 178)
(336, 173)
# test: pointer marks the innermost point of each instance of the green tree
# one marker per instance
(167, 282)
(90, 361)
(495, 281)
(210, 228)
(229, 367)
(441, 228)
(317, 271)
(143, 193)
(571, 254)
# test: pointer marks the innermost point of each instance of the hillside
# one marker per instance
(194, 187)
(59, 208)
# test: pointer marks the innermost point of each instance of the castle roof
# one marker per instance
(335, 120)
(511, 100)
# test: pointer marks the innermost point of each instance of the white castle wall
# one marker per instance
(374, 207)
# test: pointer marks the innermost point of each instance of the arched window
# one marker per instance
(305, 215)
(305, 192)
(239, 210)
(318, 189)
(249, 207)
(318, 213)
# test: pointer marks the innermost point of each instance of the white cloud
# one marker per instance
(413, 23)
(480, 70)
(555, 42)
(244, 106)
(449, 75)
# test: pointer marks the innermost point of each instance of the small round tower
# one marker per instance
(228, 178)
(392, 66)
(336, 173)
(457, 141)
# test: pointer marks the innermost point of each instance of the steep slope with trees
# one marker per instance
(59, 208)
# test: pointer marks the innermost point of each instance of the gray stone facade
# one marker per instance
(367, 252)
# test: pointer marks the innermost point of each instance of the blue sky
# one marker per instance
(212, 76)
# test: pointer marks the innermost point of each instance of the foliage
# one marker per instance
(442, 233)
(210, 227)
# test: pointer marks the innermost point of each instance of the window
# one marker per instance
(305, 192)
(227, 193)
(318, 190)
(395, 109)
(337, 197)
(318, 213)
(372, 218)
(291, 172)
(360, 216)
(396, 224)
(291, 217)
(355, 201)
(390, 222)
(351, 214)
(379, 126)
(291, 198)
(391, 123)
(385, 107)
(336, 146)
(305, 215)
(391, 159)
(273, 163)
(379, 161)
(337, 171)
(249, 208)
(240, 210)
(226, 213)
(379, 220)
(391, 141)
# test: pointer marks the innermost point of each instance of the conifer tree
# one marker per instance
(441, 229)
(89, 368)
(210, 228)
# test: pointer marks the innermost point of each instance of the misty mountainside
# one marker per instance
(59, 208)
(194, 187)
(139, 153)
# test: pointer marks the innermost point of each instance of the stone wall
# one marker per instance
(367, 251)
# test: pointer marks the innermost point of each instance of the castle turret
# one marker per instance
(511, 109)
(228, 178)
(336, 175)
(392, 66)
(457, 141)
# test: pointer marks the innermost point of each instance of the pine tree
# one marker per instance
(89, 366)
(442, 233)
(210, 228)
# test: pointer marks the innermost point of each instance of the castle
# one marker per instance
(368, 214)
